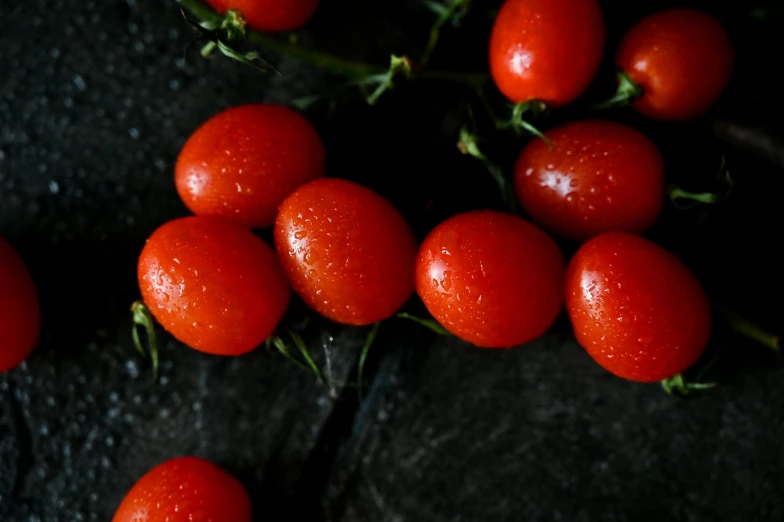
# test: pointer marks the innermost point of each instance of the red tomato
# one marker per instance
(20, 316)
(185, 489)
(245, 160)
(270, 15)
(599, 177)
(214, 286)
(681, 58)
(491, 278)
(546, 50)
(636, 309)
(346, 250)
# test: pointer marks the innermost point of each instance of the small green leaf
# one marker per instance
(142, 317)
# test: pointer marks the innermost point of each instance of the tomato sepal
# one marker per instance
(519, 124)
(398, 66)
(628, 91)
(678, 387)
(684, 200)
(142, 317)
(223, 35)
(468, 144)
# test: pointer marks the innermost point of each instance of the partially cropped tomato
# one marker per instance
(598, 177)
(185, 489)
(636, 309)
(214, 286)
(491, 278)
(546, 50)
(244, 161)
(681, 58)
(270, 15)
(20, 316)
(346, 250)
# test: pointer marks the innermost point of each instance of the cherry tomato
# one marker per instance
(346, 250)
(492, 279)
(185, 489)
(636, 309)
(20, 316)
(681, 58)
(599, 177)
(546, 50)
(270, 15)
(244, 161)
(214, 286)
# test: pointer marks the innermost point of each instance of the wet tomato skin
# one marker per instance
(214, 286)
(681, 58)
(346, 250)
(599, 177)
(270, 15)
(185, 489)
(636, 309)
(243, 162)
(491, 278)
(20, 315)
(548, 50)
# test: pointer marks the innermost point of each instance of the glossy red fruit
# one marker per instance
(243, 162)
(599, 177)
(681, 58)
(20, 316)
(185, 489)
(491, 278)
(636, 309)
(214, 286)
(270, 15)
(547, 50)
(346, 250)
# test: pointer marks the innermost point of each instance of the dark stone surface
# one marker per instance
(96, 99)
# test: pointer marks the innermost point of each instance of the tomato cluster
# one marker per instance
(493, 279)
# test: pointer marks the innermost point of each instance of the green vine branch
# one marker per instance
(452, 12)
(225, 31)
(469, 144)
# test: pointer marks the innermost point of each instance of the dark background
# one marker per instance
(96, 99)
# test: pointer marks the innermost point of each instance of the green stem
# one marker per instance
(371, 337)
(142, 317)
(628, 91)
(469, 144)
(427, 323)
(336, 64)
(520, 124)
(677, 194)
(747, 328)
(455, 10)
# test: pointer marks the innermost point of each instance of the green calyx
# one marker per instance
(628, 91)
(519, 123)
(677, 386)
